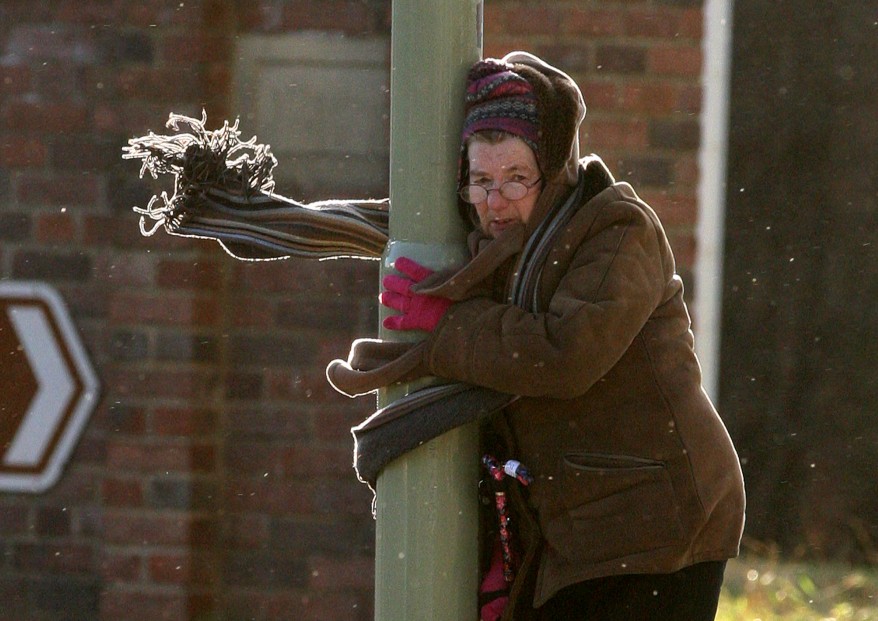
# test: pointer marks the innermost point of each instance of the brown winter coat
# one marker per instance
(635, 472)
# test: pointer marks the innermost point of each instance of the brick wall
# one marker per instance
(638, 64)
(214, 480)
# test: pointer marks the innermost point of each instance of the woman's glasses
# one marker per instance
(474, 193)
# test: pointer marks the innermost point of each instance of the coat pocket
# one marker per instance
(618, 505)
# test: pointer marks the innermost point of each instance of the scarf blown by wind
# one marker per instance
(224, 190)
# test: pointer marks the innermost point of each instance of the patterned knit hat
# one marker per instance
(528, 98)
(497, 98)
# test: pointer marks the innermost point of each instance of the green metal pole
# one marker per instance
(426, 564)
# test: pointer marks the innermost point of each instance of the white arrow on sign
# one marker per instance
(43, 434)
(55, 386)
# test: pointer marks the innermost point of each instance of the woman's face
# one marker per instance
(490, 166)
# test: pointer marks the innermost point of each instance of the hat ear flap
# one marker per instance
(560, 112)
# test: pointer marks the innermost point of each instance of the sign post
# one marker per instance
(48, 385)
(427, 501)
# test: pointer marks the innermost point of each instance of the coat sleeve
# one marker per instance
(616, 279)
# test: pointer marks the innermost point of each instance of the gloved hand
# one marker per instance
(418, 312)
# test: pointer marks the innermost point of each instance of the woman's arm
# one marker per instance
(615, 281)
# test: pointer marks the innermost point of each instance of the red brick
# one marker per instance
(621, 58)
(53, 521)
(656, 98)
(89, 451)
(336, 606)
(73, 153)
(247, 531)
(272, 423)
(129, 456)
(161, 13)
(690, 99)
(157, 529)
(691, 23)
(675, 60)
(287, 277)
(306, 383)
(252, 312)
(22, 152)
(189, 275)
(60, 190)
(191, 569)
(274, 605)
(194, 47)
(54, 558)
(14, 519)
(347, 16)
(593, 22)
(54, 228)
(14, 79)
(122, 271)
(254, 459)
(202, 603)
(302, 461)
(77, 488)
(598, 94)
(268, 495)
(156, 84)
(686, 170)
(120, 566)
(174, 384)
(131, 118)
(659, 23)
(46, 44)
(87, 13)
(122, 492)
(334, 573)
(680, 133)
(47, 118)
(167, 310)
(123, 231)
(673, 210)
(345, 497)
(186, 422)
(150, 605)
(118, 418)
(334, 423)
(628, 134)
(69, 267)
(514, 19)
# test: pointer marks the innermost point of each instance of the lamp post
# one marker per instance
(427, 521)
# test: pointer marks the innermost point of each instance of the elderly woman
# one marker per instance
(637, 497)
(566, 335)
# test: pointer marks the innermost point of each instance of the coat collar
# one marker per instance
(491, 253)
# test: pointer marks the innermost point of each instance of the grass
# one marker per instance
(760, 589)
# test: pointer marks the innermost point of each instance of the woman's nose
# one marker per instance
(495, 201)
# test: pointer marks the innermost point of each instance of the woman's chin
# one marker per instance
(496, 227)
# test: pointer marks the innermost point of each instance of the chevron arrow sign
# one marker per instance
(48, 388)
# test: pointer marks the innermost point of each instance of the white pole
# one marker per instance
(712, 187)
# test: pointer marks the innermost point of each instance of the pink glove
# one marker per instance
(494, 584)
(418, 312)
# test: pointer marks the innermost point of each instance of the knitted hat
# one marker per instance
(528, 98)
(497, 98)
